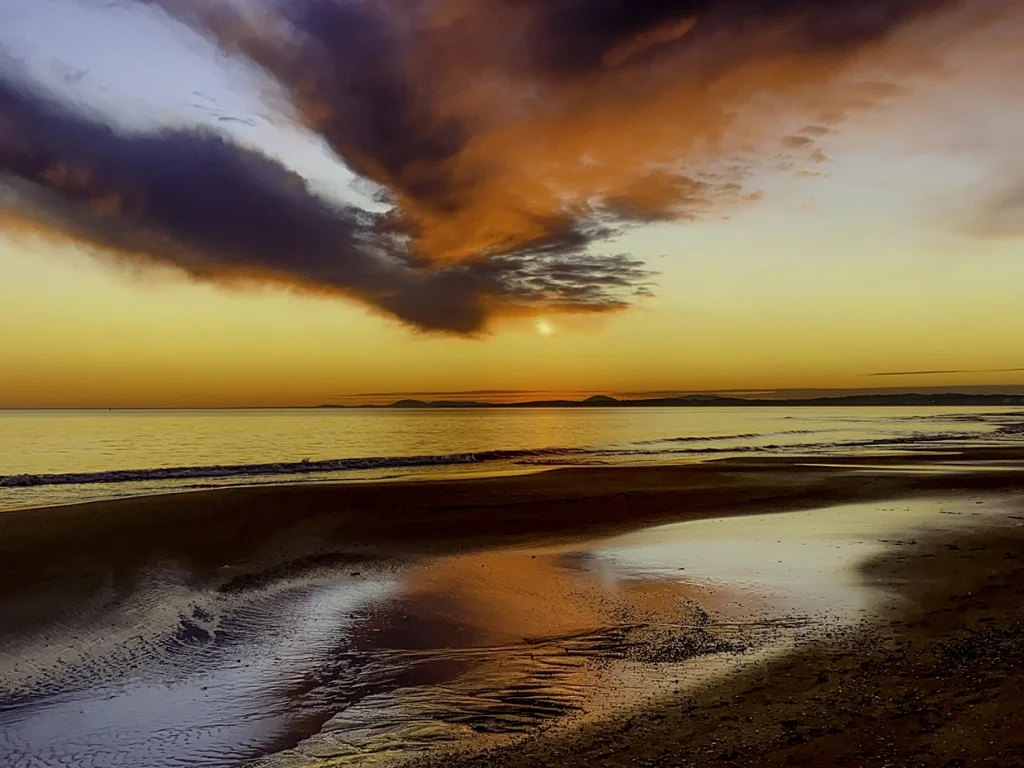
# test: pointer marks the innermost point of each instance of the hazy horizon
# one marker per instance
(502, 397)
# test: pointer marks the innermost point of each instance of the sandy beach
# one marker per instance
(935, 679)
(783, 612)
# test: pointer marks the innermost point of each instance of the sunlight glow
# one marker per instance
(545, 328)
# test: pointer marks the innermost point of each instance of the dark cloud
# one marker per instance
(490, 123)
(934, 373)
(212, 208)
(570, 281)
(581, 34)
(797, 142)
(194, 200)
(351, 69)
(392, 86)
(507, 137)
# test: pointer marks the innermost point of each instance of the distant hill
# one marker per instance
(953, 399)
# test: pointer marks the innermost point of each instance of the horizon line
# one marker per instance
(794, 394)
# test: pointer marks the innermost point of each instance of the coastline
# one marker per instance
(240, 541)
(158, 453)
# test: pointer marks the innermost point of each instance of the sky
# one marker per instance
(234, 204)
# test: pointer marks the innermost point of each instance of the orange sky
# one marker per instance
(890, 243)
(740, 313)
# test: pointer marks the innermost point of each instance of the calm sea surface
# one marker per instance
(49, 457)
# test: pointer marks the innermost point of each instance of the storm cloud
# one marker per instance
(506, 138)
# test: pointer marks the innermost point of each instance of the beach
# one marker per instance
(773, 610)
(936, 679)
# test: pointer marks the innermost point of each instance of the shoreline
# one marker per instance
(432, 477)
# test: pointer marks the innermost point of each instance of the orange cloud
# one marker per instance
(508, 137)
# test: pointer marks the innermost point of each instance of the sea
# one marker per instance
(50, 457)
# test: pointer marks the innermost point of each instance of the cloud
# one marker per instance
(491, 123)
(797, 142)
(1001, 214)
(506, 139)
(212, 208)
(216, 210)
(935, 373)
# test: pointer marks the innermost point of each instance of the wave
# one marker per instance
(1004, 429)
(740, 436)
(702, 438)
(303, 467)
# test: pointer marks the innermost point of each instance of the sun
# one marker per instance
(545, 328)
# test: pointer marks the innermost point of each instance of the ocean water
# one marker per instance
(54, 457)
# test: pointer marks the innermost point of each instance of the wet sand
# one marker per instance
(380, 620)
(935, 677)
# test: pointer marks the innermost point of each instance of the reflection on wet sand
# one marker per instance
(377, 664)
(495, 645)
(485, 646)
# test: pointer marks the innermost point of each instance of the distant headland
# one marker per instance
(952, 399)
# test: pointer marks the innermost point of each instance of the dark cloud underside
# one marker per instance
(509, 137)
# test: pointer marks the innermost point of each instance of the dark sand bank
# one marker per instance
(934, 678)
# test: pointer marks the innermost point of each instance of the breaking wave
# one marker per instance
(304, 467)
(1002, 429)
